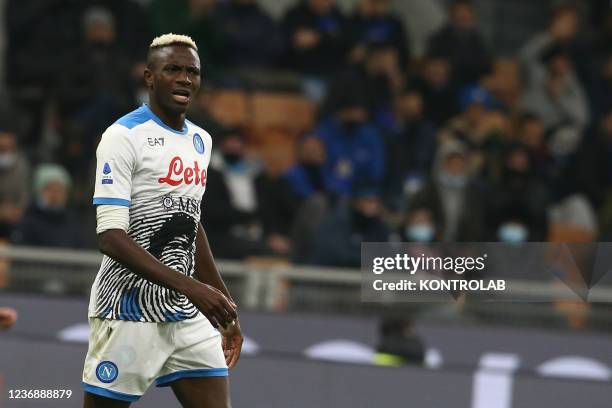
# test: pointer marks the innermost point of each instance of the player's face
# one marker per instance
(174, 78)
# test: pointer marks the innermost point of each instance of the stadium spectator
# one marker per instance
(593, 170)
(531, 134)
(314, 36)
(461, 43)
(355, 149)
(519, 190)
(601, 89)
(383, 78)
(253, 38)
(481, 126)
(551, 60)
(564, 29)
(132, 25)
(32, 27)
(513, 225)
(230, 207)
(338, 240)
(440, 93)
(306, 182)
(457, 204)
(411, 146)
(198, 19)
(373, 23)
(48, 221)
(420, 225)
(552, 90)
(14, 182)
(306, 177)
(93, 88)
(201, 114)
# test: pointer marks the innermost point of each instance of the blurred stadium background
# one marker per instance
(334, 122)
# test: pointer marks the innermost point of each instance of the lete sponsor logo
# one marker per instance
(178, 173)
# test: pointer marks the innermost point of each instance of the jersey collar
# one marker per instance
(157, 120)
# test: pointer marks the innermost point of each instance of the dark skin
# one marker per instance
(173, 79)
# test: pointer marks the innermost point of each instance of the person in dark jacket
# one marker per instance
(313, 32)
(253, 38)
(462, 44)
(14, 181)
(519, 189)
(354, 146)
(411, 147)
(455, 200)
(307, 185)
(49, 222)
(373, 23)
(230, 207)
(593, 170)
(440, 93)
(338, 240)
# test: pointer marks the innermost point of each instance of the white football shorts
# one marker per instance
(124, 358)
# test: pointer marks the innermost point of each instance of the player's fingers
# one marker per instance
(213, 321)
(234, 356)
(229, 309)
(221, 317)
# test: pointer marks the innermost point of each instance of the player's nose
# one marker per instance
(183, 78)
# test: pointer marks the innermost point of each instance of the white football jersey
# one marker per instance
(160, 174)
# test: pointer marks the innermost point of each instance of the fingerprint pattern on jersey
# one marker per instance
(169, 235)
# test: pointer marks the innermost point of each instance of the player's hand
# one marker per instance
(213, 304)
(232, 342)
(7, 317)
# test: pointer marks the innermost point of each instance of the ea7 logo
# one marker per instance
(155, 141)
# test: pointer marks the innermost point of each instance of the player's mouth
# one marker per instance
(181, 96)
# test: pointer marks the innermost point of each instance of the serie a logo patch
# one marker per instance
(107, 178)
(107, 371)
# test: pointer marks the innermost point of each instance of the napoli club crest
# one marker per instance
(198, 143)
(107, 371)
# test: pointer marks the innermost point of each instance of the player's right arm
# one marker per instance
(116, 158)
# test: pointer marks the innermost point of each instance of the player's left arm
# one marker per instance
(206, 272)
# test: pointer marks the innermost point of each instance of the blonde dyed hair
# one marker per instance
(173, 39)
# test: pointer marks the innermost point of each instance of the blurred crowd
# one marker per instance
(456, 144)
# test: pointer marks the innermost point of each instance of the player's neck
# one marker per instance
(175, 121)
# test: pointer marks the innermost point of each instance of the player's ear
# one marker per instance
(148, 77)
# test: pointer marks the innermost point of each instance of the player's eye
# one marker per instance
(193, 71)
(172, 68)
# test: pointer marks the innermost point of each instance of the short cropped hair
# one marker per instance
(172, 39)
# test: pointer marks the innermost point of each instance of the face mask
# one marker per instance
(350, 126)
(7, 160)
(420, 232)
(512, 232)
(232, 158)
(452, 180)
(362, 220)
(45, 205)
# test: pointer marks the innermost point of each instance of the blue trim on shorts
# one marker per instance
(103, 392)
(165, 380)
